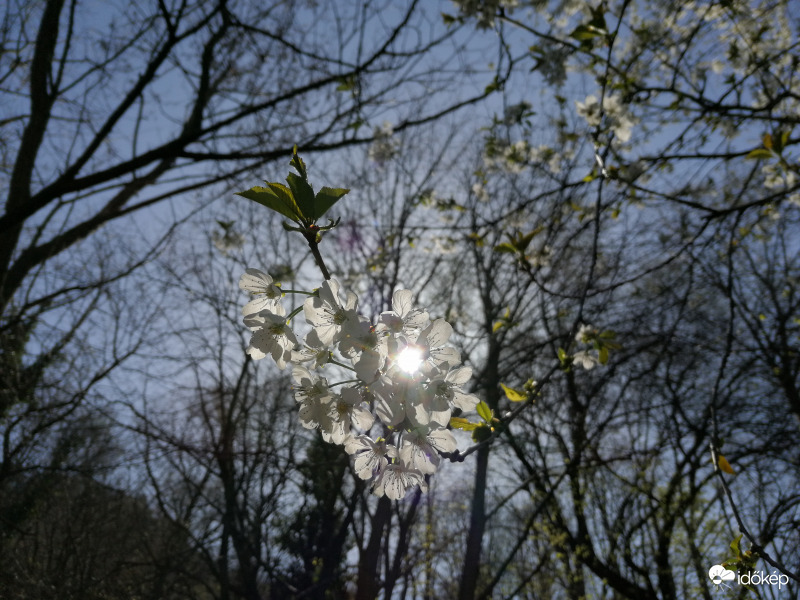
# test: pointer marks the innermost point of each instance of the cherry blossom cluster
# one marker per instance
(392, 416)
(585, 358)
(617, 117)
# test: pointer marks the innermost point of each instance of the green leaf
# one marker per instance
(356, 125)
(735, 545)
(514, 395)
(480, 433)
(505, 247)
(584, 33)
(275, 197)
(463, 424)
(346, 84)
(484, 411)
(759, 153)
(298, 163)
(326, 198)
(562, 355)
(285, 195)
(767, 139)
(603, 355)
(303, 195)
(784, 139)
(525, 240)
(494, 86)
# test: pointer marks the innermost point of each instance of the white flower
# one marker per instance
(370, 455)
(349, 409)
(403, 319)
(449, 388)
(384, 147)
(776, 177)
(359, 336)
(318, 412)
(267, 295)
(432, 340)
(515, 157)
(396, 479)
(389, 401)
(230, 240)
(327, 313)
(419, 449)
(308, 385)
(616, 115)
(423, 409)
(357, 407)
(585, 359)
(271, 335)
(589, 109)
(320, 355)
(619, 120)
(480, 192)
(585, 334)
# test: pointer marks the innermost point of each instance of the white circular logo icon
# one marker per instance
(718, 574)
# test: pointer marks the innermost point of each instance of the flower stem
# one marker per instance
(311, 238)
(293, 313)
(343, 382)
(333, 361)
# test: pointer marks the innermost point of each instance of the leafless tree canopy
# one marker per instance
(601, 198)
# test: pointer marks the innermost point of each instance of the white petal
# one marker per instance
(356, 444)
(440, 418)
(401, 302)
(313, 311)
(351, 303)
(442, 440)
(438, 333)
(254, 281)
(396, 486)
(418, 319)
(446, 356)
(362, 418)
(264, 303)
(367, 366)
(259, 344)
(459, 376)
(329, 292)
(302, 376)
(326, 333)
(367, 463)
(465, 402)
(391, 412)
(419, 456)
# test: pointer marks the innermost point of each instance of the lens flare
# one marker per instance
(409, 359)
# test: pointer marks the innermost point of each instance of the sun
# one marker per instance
(409, 359)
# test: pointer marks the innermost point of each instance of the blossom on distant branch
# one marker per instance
(617, 118)
(384, 146)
